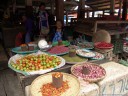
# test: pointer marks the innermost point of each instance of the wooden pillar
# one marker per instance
(103, 12)
(29, 9)
(87, 14)
(66, 17)
(60, 10)
(52, 6)
(112, 7)
(29, 2)
(81, 7)
(14, 6)
(120, 7)
(124, 13)
(93, 14)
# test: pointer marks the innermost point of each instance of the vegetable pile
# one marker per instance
(36, 62)
(103, 45)
(95, 72)
(49, 90)
(85, 45)
(85, 53)
(98, 56)
(58, 50)
(74, 59)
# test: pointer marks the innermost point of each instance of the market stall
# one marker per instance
(115, 83)
(62, 57)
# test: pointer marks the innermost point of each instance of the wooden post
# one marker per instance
(81, 13)
(124, 13)
(14, 6)
(93, 14)
(112, 7)
(66, 18)
(52, 6)
(103, 12)
(60, 10)
(87, 14)
(29, 9)
(120, 7)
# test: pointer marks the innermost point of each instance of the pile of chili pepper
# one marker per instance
(49, 90)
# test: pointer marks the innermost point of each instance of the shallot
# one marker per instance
(95, 71)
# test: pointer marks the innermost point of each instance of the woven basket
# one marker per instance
(88, 80)
(101, 36)
(108, 53)
(47, 78)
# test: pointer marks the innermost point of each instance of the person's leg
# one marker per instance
(27, 38)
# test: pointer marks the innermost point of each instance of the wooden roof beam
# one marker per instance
(96, 2)
(105, 4)
(108, 7)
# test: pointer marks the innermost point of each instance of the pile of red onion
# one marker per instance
(95, 71)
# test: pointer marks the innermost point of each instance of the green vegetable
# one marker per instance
(74, 59)
(123, 62)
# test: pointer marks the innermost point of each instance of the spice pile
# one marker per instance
(55, 88)
(58, 50)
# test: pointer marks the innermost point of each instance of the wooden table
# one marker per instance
(27, 80)
(115, 82)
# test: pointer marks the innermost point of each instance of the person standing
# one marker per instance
(43, 21)
(29, 24)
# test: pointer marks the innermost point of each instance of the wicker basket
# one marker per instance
(47, 78)
(108, 53)
(101, 36)
(88, 80)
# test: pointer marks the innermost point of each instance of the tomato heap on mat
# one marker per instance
(33, 63)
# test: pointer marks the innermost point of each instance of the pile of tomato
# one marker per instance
(39, 62)
(103, 45)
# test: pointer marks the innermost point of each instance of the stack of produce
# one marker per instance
(75, 59)
(24, 47)
(89, 72)
(36, 62)
(55, 84)
(98, 56)
(85, 53)
(86, 45)
(56, 87)
(58, 50)
(103, 45)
